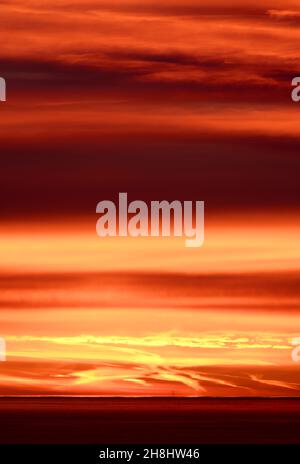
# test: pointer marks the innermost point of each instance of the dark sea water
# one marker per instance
(149, 420)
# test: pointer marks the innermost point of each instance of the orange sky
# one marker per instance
(83, 315)
(165, 100)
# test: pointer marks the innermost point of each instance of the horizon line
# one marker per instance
(150, 397)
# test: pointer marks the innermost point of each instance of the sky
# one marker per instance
(181, 100)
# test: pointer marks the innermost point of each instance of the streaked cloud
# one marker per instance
(161, 99)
